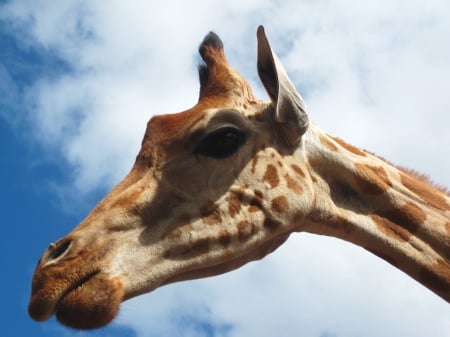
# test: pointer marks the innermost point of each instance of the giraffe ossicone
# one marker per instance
(226, 182)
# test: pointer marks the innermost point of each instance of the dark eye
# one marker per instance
(221, 143)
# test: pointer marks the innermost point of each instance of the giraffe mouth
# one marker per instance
(90, 302)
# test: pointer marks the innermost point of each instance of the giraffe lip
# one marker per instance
(92, 302)
(40, 310)
(75, 285)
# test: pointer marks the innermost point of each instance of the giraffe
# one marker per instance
(226, 182)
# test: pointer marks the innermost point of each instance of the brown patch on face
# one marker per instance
(292, 184)
(271, 176)
(329, 145)
(371, 180)
(437, 277)
(256, 203)
(428, 194)
(401, 223)
(259, 194)
(245, 230)
(349, 147)
(447, 227)
(224, 238)
(271, 224)
(280, 204)
(210, 214)
(298, 170)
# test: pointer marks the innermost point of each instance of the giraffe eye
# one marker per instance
(221, 143)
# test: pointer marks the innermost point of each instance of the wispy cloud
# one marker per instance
(376, 74)
(176, 311)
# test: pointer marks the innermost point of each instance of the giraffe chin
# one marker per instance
(92, 305)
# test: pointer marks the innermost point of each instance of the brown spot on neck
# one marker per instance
(341, 224)
(427, 193)
(325, 142)
(349, 147)
(371, 180)
(334, 223)
(400, 223)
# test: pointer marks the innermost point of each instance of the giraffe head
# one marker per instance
(212, 188)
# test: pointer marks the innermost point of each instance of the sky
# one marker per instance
(80, 79)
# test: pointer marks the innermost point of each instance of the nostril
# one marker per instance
(58, 249)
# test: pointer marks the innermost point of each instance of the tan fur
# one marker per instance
(180, 215)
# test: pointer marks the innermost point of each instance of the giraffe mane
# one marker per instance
(415, 174)
(424, 178)
(410, 172)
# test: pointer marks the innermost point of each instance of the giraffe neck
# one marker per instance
(364, 200)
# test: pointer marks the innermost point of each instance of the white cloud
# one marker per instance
(375, 73)
(310, 286)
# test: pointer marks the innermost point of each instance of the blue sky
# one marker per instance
(79, 80)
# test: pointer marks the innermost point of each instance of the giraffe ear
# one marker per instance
(290, 110)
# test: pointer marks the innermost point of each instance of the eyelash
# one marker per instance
(221, 143)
